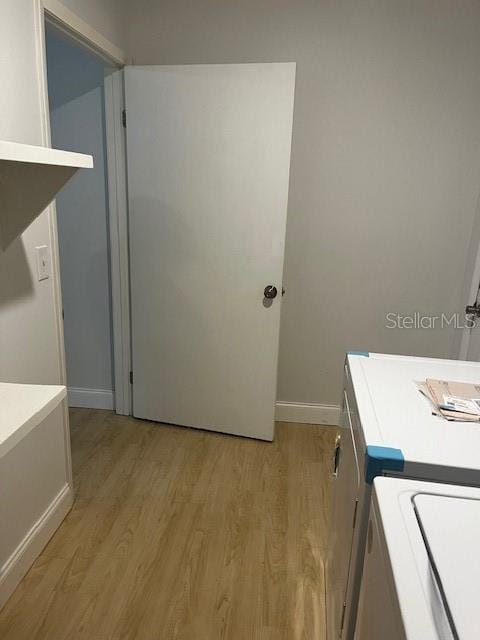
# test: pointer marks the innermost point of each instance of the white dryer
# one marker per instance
(421, 577)
(389, 430)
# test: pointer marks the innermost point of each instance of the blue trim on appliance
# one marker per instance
(380, 459)
(365, 354)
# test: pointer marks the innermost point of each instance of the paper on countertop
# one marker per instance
(461, 404)
(454, 401)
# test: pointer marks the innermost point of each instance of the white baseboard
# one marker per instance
(307, 413)
(285, 411)
(33, 543)
(90, 398)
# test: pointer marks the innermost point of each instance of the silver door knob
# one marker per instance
(473, 310)
(270, 292)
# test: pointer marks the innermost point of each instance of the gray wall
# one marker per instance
(75, 83)
(385, 160)
(105, 16)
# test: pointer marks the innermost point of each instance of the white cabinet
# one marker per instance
(35, 490)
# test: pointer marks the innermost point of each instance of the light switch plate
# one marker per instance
(43, 262)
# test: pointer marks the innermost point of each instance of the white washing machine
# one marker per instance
(421, 576)
(389, 430)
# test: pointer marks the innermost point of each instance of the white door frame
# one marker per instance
(119, 252)
(57, 14)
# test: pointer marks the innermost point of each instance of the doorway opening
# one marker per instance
(78, 81)
(208, 175)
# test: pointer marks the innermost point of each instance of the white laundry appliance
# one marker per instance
(421, 575)
(389, 430)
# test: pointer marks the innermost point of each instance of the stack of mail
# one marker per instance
(456, 401)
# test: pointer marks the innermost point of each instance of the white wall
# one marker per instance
(75, 84)
(30, 332)
(385, 160)
(29, 339)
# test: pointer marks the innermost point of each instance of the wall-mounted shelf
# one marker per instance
(15, 152)
(30, 178)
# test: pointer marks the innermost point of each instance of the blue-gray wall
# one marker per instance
(75, 84)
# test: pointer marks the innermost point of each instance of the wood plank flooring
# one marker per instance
(183, 534)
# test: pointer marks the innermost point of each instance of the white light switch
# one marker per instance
(43, 262)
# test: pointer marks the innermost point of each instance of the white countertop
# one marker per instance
(393, 413)
(22, 408)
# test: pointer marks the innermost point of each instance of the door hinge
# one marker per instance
(131, 377)
(124, 118)
(355, 514)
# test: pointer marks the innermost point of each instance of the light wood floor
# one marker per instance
(177, 533)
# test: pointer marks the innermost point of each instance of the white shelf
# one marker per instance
(23, 407)
(30, 178)
(15, 152)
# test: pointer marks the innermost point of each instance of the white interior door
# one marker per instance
(208, 153)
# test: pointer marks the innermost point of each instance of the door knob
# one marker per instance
(270, 292)
(473, 310)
